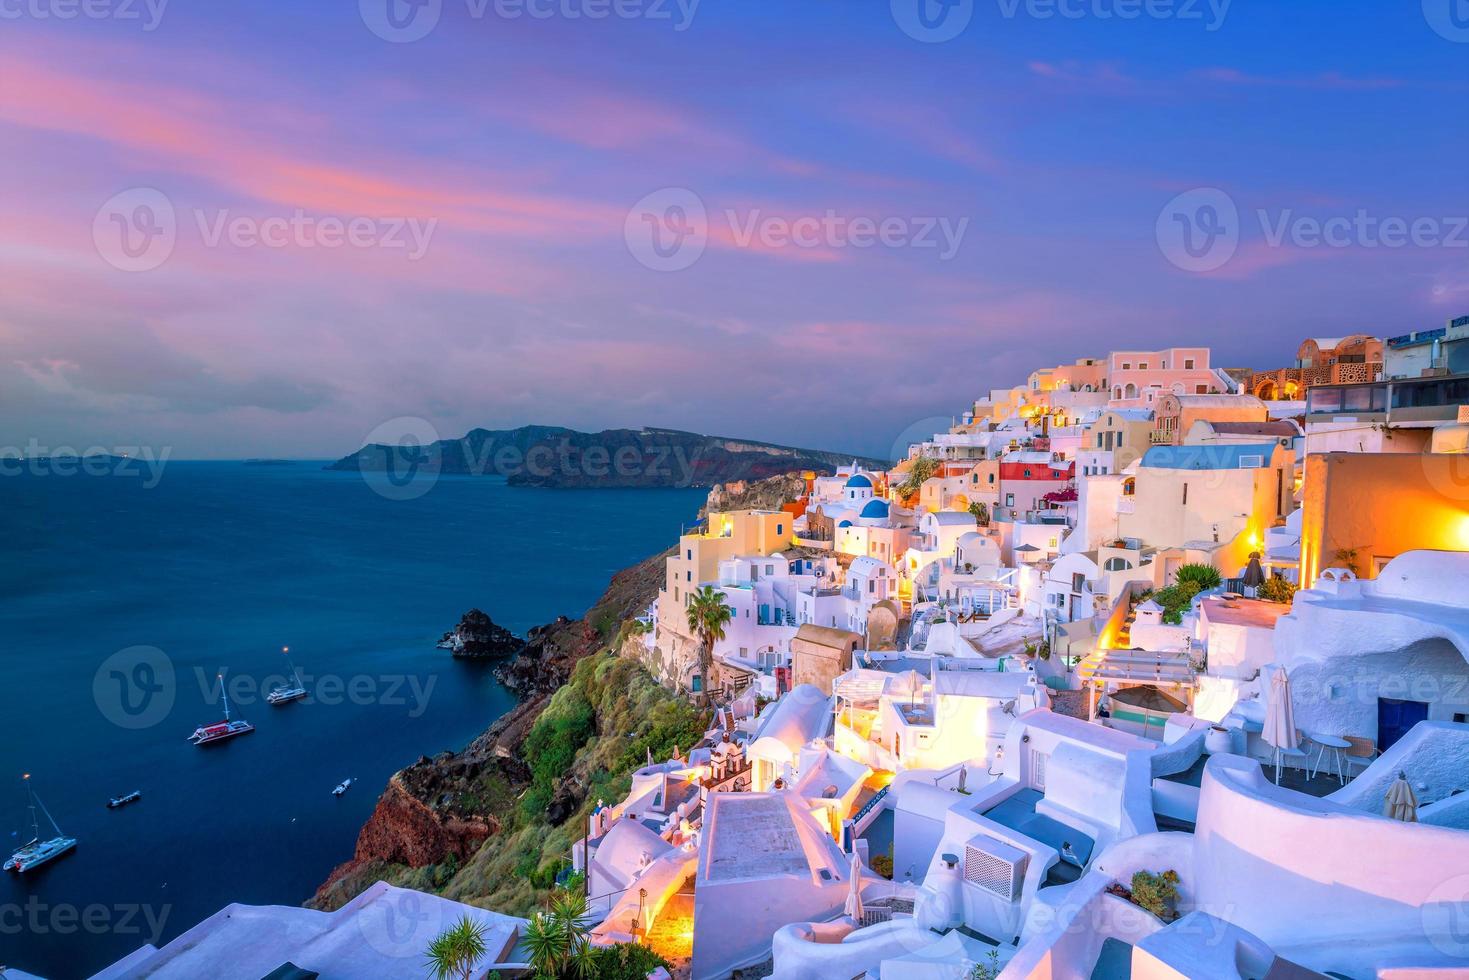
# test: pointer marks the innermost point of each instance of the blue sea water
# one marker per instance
(108, 584)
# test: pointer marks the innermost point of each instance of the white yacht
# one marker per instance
(38, 851)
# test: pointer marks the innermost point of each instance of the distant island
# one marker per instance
(551, 456)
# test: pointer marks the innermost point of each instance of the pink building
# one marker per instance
(1138, 377)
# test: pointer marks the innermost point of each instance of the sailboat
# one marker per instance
(221, 730)
(38, 852)
(286, 693)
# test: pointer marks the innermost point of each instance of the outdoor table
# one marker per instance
(1333, 744)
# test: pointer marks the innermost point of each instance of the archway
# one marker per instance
(882, 626)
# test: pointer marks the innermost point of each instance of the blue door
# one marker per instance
(1395, 718)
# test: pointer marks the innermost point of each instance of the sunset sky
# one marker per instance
(518, 145)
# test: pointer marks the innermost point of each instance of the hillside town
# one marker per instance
(1145, 667)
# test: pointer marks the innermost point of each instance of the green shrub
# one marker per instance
(1197, 573)
(1175, 600)
(1156, 892)
(626, 961)
(1276, 589)
(882, 864)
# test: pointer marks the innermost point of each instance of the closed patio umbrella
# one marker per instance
(1254, 576)
(853, 907)
(1402, 802)
(1280, 719)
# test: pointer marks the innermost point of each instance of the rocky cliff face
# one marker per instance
(442, 808)
(767, 494)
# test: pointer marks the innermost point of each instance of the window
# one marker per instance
(1142, 365)
(1127, 365)
(1188, 363)
(780, 529)
(1201, 389)
(1078, 582)
(1009, 500)
(1051, 543)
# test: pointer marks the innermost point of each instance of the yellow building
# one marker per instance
(1360, 510)
(1126, 433)
(696, 562)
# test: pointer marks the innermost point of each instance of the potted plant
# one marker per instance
(1155, 892)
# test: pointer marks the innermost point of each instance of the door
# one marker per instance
(1395, 718)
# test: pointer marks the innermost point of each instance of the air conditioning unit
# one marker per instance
(995, 867)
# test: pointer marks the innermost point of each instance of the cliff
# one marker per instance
(494, 823)
(549, 456)
(435, 815)
(767, 494)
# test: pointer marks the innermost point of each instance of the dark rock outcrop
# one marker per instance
(478, 636)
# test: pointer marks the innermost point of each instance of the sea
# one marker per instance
(127, 591)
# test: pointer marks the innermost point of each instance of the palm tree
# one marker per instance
(708, 615)
(558, 938)
(454, 952)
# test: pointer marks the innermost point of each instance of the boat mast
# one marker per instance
(292, 663)
(225, 695)
(31, 796)
(54, 825)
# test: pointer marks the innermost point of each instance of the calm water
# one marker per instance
(221, 564)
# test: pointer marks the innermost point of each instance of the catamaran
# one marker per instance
(221, 730)
(286, 693)
(38, 852)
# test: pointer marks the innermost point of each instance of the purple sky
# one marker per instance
(1046, 146)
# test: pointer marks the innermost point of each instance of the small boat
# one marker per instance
(38, 852)
(120, 801)
(221, 730)
(343, 786)
(287, 693)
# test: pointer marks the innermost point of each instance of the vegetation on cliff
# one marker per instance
(584, 745)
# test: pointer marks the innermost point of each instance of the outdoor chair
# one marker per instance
(1362, 752)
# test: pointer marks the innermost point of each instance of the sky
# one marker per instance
(276, 228)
